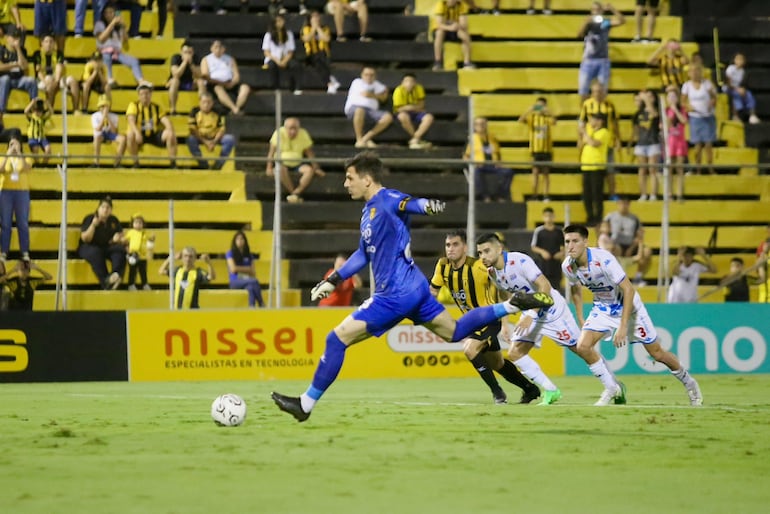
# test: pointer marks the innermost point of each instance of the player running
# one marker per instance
(617, 309)
(401, 289)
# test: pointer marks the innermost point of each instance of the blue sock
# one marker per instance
(477, 319)
(329, 366)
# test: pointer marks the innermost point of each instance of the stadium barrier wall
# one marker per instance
(63, 346)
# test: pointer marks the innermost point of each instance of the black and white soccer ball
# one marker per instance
(228, 410)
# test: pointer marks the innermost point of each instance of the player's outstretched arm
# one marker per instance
(326, 286)
(427, 206)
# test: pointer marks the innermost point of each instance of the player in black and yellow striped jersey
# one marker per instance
(672, 63)
(38, 113)
(467, 280)
(50, 68)
(188, 278)
(540, 123)
(598, 103)
(450, 22)
(148, 124)
(317, 38)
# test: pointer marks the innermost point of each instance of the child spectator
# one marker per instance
(21, 286)
(140, 244)
(646, 126)
(95, 79)
(105, 125)
(241, 270)
(736, 283)
(342, 296)
(540, 121)
(742, 100)
(677, 143)
(409, 107)
(50, 70)
(188, 278)
(14, 198)
(38, 113)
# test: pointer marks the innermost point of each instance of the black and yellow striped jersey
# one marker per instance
(147, 117)
(672, 68)
(606, 107)
(450, 14)
(46, 63)
(36, 123)
(187, 284)
(315, 45)
(206, 123)
(540, 132)
(469, 284)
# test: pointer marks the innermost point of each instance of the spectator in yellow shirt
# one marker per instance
(295, 154)
(492, 180)
(14, 197)
(95, 79)
(593, 163)
(140, 244)
(409, 106)
(451, 22)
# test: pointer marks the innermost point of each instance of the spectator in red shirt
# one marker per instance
(342, 296)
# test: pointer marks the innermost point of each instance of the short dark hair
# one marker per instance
(688, 250)
(366, 163)
(489, 237)
(459, 232)
(409, 75)
(576, 229)
(548, 209)
(106, 199)
(542, 99)
(737, 260)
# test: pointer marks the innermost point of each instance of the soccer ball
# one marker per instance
(228, 410)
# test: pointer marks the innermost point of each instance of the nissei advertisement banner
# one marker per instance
(708, 338)
(285, 344)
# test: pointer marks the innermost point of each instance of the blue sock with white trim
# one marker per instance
(326, 372)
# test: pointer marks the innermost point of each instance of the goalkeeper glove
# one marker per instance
(434, 207)
(325, 287)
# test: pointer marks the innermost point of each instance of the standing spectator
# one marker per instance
(317, 37)
(671, 62)
(51, 18)
(111, 37)
(687, 272)
(646, 134)
(10, 19)
(365, 95)
(241, 270)
(451, 22)
(80, 14)
(763, 268)
(50, 70)
(101, 237)
(296, 155)
(651, 6)
(677, 142)
(21, 286)
(146, 124)
(531, 9)
(188, 278)
(341, 8)
(221, 73)
(13, 71)
(409, 106)
(207, 127)
(135, 9)
(599, 103)
(627, 236)
(736, 283)
(700, 98)
(492, 180)
(278, 47)
(139, 246)
(95, 78)
(105, 125)
(342, 296)
(14, 198)
(540, 123)
(548, 247)
(593, 164)
(185, 75)
(604, 238)
(38, 112)
(162, 16)
(595, 32)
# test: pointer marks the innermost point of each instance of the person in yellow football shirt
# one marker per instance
(140, 244)
(409, 107)
(296, 155)
(188, 278)
(593, 163)
(451, 24)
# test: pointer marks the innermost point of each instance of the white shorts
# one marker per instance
(640, 327)
(330, 6)
(563, 330)
(647, 150)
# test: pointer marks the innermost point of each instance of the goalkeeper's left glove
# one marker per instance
(325, 287)
(434, 207)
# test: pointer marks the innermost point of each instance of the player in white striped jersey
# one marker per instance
(617, 308)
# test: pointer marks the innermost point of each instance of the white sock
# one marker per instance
(600, 371)
(307, 402)
(510, 309)
(531, 369)
(684, 377)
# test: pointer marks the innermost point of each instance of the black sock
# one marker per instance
(486, 373)
(511, 373)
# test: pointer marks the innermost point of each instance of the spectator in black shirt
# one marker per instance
(736, 283)
(185, 75)
(13, 68)
(548, 247)
(21, 285)
(100, 239)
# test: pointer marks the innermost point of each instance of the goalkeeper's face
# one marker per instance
(357, 185)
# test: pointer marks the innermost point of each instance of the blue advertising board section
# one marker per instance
(709, 338)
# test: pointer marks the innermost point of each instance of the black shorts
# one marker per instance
(542, 157)
(489, 335)
(96, 86)
(652, 3)
(450, 36)
(155, 139)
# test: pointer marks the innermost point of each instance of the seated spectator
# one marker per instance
(188, 278)
(672, 63)
(218, 6)
(530, 10)
(10, 19)
(700, 98)
(146, 124)
(493, 182)
(604, 239)
(50, 69)
(677, 142)
(742, 101)
(105, 125)
(241, 270)
(341, 8)
(296, 156)
(101, 237)
(14, 199)
(51, 18)
(185, 75)
(139, 245)
(409, 106)
(317, 38)
(736, 283)
(627, 234)
(13, 71)
(646, 135)
(278, 47)
(451, 25)
(111, 37)
(342, 296)
(81, 6)
(38, 112)
(21, 285)
(207, 127)
(95, 79)
(221, 73)
(686, 274)
(595, 33)
(540, 123)
(365, 95)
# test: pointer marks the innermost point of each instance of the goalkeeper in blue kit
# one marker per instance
(401, 289)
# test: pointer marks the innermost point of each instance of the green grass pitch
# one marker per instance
(379, 446)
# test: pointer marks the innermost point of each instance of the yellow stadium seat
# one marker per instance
(547, 79)
(564, 104)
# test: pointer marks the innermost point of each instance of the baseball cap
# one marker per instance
(102, 101)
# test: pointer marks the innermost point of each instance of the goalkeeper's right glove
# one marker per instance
(434, 207)
(325, 287)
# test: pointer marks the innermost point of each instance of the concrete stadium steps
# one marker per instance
(564, 131)
(627, 184)
(147, 24)
(139, 182)
(80, 49)
(627, 6)
(562, 26)
(509, 105)
(720, 260)
(159, 299)
(155, 212)
(260, 6)
(187, 100)
(79, 125)
(79, 272)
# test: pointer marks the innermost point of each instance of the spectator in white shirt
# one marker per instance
(699, 95)
(687, 271)
(221, 73)
(105, 125)
(363, 104)
(278, 46)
